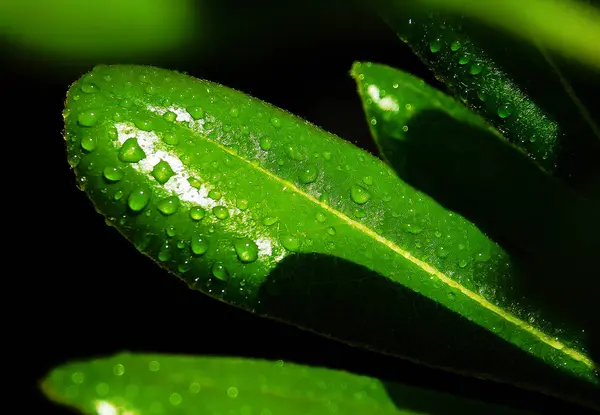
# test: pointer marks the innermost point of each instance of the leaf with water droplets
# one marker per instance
(309, 229)
(153, 383)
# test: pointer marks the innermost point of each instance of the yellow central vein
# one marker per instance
(545, 338)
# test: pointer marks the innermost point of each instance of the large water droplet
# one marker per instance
(435, 45)
(214, 194)
(168, 206)
(266, 143)
(185, 266)
(359, 194)
(476, 68)
(464, 59)
(89, 88)
(195, 112)
(242, 204)
(270, 221)
(162, 172)
(462, 263)
(455, 46)
(131, 152)
(143, 124)
(276, 122)
(320, 217)
(197, 213)
(199, 245)
(368, 180)
(88, 144)
(505, 110)
(308, 174)
(246, 249)
(220, 272)
(413, 228)
(88, 118)
(112, 174)
(220, 212)
(170, 138)
(327, 155)
(290, 242)
(170, 116)
(138, 199)
(164, 254)
(331, 231)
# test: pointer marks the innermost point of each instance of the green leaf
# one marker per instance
(443, 149)
(476, 79)
(98, 29)
(265, 211)
(570, 27)
(144, 384)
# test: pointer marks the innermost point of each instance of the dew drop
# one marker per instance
(462, 263)
(308, 174)
(185, 266)
(270, 221)
(435, 45)
(246, 249)
(327, 155)
(232, 392)
(359, 194)
(234, 112)
(150, 90)
(331, 231)
(476, 68)
(532, 139)
(199, 245)
(276, 122)
(165, 252)
(162, 172)
(438, 234)
(175, 399)
(88, 118)
(118, 195)
(89, 88)
(171, 231)
(220, 212)
(197, 213)
(289, 242)
(412, 228)
(138, 200)
(220, 272)
(360, 213)
(242, 204)
(88, 144)
(266, 143)
(131, 152)
(143, 124)
(170, 116)
(126, 103)
(368, 180)
(195, 112)
(505, 110)
(168, 206)
(320, 217)
(214, 194)
(442, 252)
(464, 59)
(119, 369)
(455, 45)
(170, 139)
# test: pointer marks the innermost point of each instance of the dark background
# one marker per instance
(83, 291)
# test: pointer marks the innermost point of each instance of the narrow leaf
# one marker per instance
(261, 209)
(476, 79)
(145, 384)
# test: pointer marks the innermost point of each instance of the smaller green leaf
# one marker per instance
(141, 384)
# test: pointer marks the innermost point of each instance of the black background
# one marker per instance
(83, 291)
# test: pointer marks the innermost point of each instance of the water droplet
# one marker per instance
(292, 153)
(118, 195)
(234, 112)
(214, 194)
(242, 204)
(324, 198)
(266, 143)
(327, 155)
(289, 242)
(276, 122)
(171, 231)
(165, 252)
(220, 272)
(195, 112)
(88, 144)
(131, 152)
(331, 231)
(464, 59)
(175, 399)
(185, 266)
(162, 172)
(246, 249)
(170, 116)
(532, 139)
(308, 174)
(455, 45)
(168, 206)
(359, 194)
(368, 180)
(197, 213)
(138, 199)
(320, 217)
(360, 213)
(199, 245)
(232, 392)
(270, 221)
(150, 89)
(180, 244)
(505, 110)
(143, 124)
(462, 263)
(476, 68)
(170, 138)
(220, 212)
(412, 228)
(119, 369)
(435, 45)
(373, 121)
(89, 88)
(442, 252)
(88, 118)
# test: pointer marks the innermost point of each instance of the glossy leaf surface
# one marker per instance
(476, 79)
(149, 384)
(260, 209)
